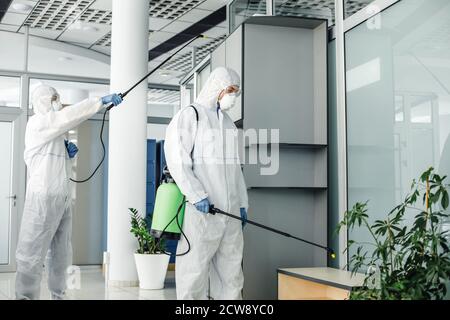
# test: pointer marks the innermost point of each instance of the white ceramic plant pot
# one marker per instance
(152, 269)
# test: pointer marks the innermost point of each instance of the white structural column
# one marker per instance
(341, 128)
(127, 134)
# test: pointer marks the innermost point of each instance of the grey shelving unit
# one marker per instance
(282, 62)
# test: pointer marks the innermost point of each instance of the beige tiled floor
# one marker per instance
(93, 288)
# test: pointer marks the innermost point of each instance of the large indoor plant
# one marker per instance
(151, 261)
(404, 261)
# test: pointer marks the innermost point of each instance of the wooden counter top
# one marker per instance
(328, 276)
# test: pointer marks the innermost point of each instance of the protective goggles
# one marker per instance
(233, 90)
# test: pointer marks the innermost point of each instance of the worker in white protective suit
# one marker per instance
(202, 157)
(47, 219)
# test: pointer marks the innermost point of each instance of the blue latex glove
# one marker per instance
(203, 206)
(244, 217)
(114, 98)
(72, 148)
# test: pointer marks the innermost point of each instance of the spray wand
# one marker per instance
(123, 95)
(213, 210)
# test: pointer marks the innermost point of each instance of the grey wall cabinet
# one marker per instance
(282, 62)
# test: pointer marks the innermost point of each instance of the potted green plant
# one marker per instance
(151, 261)
(405, 261)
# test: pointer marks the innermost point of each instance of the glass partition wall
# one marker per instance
(240, 10)
(395, 73)
(398, 103)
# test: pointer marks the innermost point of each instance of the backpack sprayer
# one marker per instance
(168, 216)
(123, 95)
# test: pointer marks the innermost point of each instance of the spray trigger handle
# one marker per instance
(212, 209)
(111, 105)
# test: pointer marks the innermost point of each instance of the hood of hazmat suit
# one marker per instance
(203, 159)
(46, 221)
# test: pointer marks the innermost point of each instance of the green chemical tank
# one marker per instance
(169, 210)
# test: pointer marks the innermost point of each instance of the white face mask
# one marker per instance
(56, 105)
(227, 101)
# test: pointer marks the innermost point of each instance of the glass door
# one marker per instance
(8, 191)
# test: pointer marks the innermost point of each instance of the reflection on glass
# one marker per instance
(421, 109)
(307, 9)
(163, 96)
(399, 109)
(364, 74)
(9, 92)
(71, 92)
(5, 189)
(398, 126)
(240, 10)
(187, 93)
(202, 77)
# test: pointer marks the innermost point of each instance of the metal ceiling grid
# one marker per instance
(183, 62)
(290, 7)
(56, 14)
(171, 9)
(163, 96)
(97, 16)
(104, 41)
(353, 6)
(293, 7)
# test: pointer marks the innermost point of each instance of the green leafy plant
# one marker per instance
(139, 228)
(405, 261)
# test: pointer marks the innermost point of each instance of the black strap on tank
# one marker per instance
(196, 112)
(196, 117)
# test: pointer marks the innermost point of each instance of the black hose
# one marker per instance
(103, 147)
(122, 95)
(176, 217)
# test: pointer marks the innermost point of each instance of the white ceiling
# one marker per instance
(87, 23)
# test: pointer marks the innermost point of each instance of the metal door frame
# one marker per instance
(17, 181)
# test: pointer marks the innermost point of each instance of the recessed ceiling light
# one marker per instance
(65, 59)
(90, 28)
(76, 26)
(21, 7)
(79, 26)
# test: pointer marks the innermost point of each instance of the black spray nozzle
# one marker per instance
(331, 253)
(213, 210)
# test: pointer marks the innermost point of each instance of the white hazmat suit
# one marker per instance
(203, 159)
(47, 219)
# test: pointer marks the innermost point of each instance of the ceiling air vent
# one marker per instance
(183, 62)
(56, 14)
(171, 9)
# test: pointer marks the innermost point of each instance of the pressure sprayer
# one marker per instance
(123, 95)
(168, 215)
